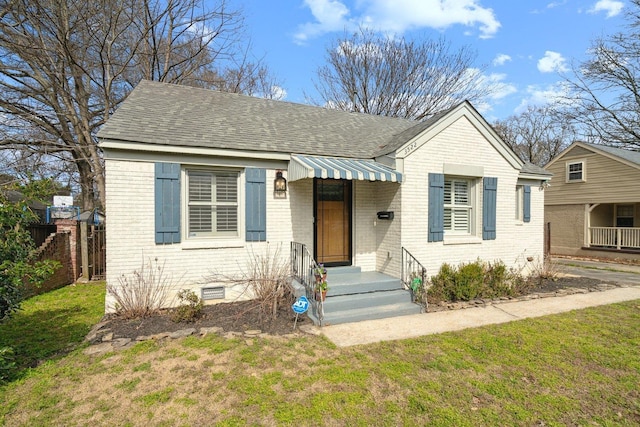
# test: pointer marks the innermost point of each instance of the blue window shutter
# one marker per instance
(256, 205)
(167, 202)
(436, 207)
(489, 203)
(526, 204)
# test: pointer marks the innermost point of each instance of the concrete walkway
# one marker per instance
(371, 331)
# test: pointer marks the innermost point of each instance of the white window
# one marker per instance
(519, 202)
(458, 206)
(212, 203)
(576, 171)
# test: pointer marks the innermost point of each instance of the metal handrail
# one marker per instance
(302, 269)
(413, 274)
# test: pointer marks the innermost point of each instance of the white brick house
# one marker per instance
(190, 177)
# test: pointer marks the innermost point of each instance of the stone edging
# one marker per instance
(103, 341)
(461, 305)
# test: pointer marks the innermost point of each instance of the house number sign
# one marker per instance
(409, 148)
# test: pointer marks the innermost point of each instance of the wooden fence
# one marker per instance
(40, 232)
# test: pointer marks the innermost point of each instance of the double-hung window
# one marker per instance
(576, 171)
(457, 206)
(624, 215)
(212, 203)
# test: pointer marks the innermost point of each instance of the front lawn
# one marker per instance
(577, 368)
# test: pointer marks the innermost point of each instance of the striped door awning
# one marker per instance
(302, 167)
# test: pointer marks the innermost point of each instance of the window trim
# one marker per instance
(212, 240)
(471, 208)
(583, 175)
(520, 203)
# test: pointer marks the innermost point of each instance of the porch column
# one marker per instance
(587, 225)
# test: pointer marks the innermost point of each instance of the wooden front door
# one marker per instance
(332, 221)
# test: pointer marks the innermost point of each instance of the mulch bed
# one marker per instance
(242, 316)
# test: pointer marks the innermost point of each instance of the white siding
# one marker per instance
(364, 225)
(131, 233)
(388, 231)
(462, 144)
(301, 205)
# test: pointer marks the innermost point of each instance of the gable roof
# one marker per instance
(168, 114)
(632, 158)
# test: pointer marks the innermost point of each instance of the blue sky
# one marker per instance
(525, 44)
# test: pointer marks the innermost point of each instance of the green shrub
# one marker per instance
(473, 280)
(441, 284)
(498, 280)
(18, 263)
(469, 281)
(7, 364)
(190, 308)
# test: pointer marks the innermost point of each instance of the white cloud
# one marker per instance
(331, 15)
(498, 90)
(539, 96)
(501, 59)
(555, 4)
(502, 89)
(612, 7)
(398, 16)
(552, 62)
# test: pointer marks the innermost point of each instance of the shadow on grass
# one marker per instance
(51, 325)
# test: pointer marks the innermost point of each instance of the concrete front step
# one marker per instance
(370, 313)
(369, 281)
(354, 296)
(365, 300)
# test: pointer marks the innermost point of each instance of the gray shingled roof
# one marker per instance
(401, 138)
(168, 114)
(530, 168)
(631, 156)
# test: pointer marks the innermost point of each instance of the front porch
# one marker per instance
(354, 295)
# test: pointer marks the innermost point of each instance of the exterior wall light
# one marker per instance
(280, 186)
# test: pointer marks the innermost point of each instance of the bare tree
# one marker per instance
(249, 77)
(66, 65)
(372, 73)
(605, 89)
(538, 134)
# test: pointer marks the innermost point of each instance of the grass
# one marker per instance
(577, 368)
(53, 323)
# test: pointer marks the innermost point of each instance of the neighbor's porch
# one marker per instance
(612, 226)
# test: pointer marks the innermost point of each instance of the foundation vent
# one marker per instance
(213, 293)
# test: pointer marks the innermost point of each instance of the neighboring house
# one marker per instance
(191, 178)
(593, 204)
(38, 208)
